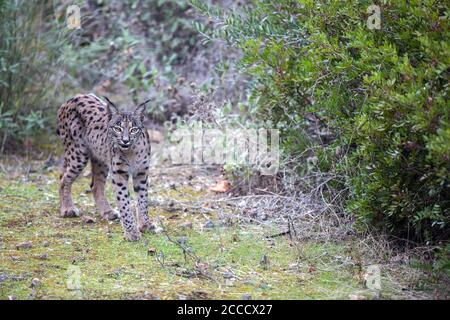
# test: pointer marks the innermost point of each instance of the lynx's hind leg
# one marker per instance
(76, 157)
(99, 175)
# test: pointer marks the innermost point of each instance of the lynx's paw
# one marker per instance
(132, 236)
(147, 226)
(69, 212)
(110, 215)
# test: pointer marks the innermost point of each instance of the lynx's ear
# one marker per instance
(112, 108)
(141, 108)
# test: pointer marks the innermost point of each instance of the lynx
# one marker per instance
(91, 129)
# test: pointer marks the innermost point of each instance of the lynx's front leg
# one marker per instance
(140, 184)
(120, 178)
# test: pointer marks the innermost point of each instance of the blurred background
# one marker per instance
(129, 50)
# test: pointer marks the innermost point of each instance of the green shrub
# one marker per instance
(382, 94)
(130, 46)
(31, 43)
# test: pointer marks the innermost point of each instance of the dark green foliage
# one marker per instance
(382, 94)
(133, 46)
(30, 50)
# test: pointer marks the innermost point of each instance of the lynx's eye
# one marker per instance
(117, 129)
(134, 130)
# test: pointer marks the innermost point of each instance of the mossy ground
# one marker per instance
(75, 260)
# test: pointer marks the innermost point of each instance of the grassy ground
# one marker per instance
(43, 256)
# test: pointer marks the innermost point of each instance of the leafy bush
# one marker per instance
(133, 49)
(30, 51)
(379, 97)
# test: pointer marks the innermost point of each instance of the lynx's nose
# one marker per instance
(125, 144)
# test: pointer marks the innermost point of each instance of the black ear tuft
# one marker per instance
(112, 108)
(141, 108)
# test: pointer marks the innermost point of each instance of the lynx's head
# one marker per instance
(125, 127)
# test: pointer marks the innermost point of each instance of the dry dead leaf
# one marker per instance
(155, 136)
(312, 269)
(221, 186)
(202, 267)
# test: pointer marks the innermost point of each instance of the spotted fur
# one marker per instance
(91, 129)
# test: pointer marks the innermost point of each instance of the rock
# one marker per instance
(151, 251)
(228, 275)
(246, 296)
(12, 297)
(293, 266)
(209, 225)
(42, 256)
(181, 297)
(24, 245)
(186, 225)
(87, 219)
(3, 277)
(35, 283)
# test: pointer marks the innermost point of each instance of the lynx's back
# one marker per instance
(83, 122)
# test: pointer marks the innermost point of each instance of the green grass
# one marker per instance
(111, 268)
